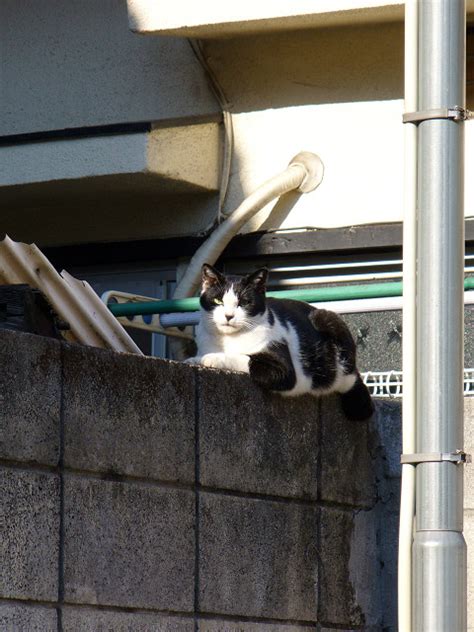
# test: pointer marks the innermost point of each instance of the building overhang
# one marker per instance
(208, 19)
(163, 161)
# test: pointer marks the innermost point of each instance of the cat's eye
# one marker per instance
(218, 301)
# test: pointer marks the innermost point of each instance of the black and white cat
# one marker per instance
(286, 346)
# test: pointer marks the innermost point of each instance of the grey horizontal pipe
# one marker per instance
(183, 319)
(178, 319)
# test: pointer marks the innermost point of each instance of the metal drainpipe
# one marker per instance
(439, 552)
(407, 496)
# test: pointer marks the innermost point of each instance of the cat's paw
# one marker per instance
(235, 362)
(214, 361)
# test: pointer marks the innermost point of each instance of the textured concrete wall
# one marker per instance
(70, 63)
(145, 495)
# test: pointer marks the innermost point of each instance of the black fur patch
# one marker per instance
(273, 369)
(357, 403)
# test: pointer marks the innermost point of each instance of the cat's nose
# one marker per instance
(229, 317)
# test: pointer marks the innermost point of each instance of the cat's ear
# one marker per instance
(210, 276)
(258, 279)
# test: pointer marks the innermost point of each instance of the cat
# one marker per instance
(286, 346)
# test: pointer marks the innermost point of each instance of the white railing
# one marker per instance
(389, 384)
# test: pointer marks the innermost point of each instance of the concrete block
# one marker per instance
(365, 569)
(469, 448)
(349, 569)
(253, 441)
(240, 626)
(128, 545)
(347, 465)
(29, 535)
(388, 550)
(128, 414)
(24, 618)
(30, 389)
(258, 558)
(82, 620)
(387, 425)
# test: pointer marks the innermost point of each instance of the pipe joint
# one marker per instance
(314, 168)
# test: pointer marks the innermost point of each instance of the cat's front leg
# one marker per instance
(273, 369)
(195, 360)
(229, 362)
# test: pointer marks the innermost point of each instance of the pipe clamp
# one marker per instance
(456, 113)
(458, 457)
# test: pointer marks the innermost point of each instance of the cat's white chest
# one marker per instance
(246, 342)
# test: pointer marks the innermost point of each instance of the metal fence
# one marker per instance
(389, 384)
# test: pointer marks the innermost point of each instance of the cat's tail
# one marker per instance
(330, 324)
(357, 403)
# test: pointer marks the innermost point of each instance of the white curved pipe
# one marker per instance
(407, 501)
(304, 174)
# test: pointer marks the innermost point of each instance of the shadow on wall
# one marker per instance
(280, 210)
(338, 65)
(91, 214)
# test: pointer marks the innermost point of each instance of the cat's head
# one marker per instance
(233, 303)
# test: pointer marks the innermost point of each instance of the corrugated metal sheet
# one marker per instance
(75, 302)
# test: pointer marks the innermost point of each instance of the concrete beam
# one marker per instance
(164, 161)
(208, 19)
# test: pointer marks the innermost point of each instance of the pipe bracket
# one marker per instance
(458, 457)
(456, 113)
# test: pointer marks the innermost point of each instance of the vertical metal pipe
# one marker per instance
(439, 553)
(407, 497)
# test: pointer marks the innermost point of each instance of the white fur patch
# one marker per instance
(228, 317)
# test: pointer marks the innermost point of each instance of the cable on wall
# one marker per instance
(225, 106)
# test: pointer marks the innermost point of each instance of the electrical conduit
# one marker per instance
(303, 174)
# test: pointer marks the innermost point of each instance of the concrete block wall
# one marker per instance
(141, 495)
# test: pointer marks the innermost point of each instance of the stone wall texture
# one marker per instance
(142, 495)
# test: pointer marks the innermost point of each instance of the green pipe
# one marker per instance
(318, 295)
